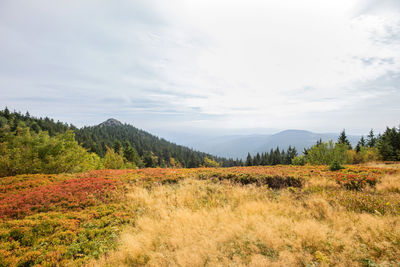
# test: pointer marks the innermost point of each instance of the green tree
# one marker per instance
(210, 163)
(131, 154)
(362, 141)
(389, 144)
(299, 160)
(249, 160)
(113, 160)
(371, 139)
(25, 151)
(291, 154)
(326, 152)
(117, 146)
(343, 139)
(150, 160)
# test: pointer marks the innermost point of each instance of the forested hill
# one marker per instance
(151, 150)
(113, 133)
(35, 124)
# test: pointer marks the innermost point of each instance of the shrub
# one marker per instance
(335, 166)
(70, 194)
(356, 181)
(299, 160)
(210, 163)
(272, 181)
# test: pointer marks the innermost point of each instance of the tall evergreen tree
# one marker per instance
(131, 154)
(343, 139)
(362, 141)
(117, 146)
(389, 144)
(360, 144)
(257, 160)
(249, 160)
(371, 139)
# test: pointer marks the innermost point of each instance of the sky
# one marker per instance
(204, 66)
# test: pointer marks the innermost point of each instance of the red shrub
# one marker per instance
(69, 194)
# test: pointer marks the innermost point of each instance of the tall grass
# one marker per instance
(205, 223)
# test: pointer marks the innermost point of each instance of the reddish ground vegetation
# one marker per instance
(64, 195)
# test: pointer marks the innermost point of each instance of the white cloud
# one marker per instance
(226, 64)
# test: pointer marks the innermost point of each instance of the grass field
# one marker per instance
(244, 216)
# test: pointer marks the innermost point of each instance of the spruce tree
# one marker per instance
(371, 139)
(362, 141)
(343, 139)
(249, 160)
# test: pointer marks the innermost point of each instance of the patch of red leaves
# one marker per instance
(66, 195)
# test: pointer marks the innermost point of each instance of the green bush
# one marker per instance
(299, 160)
(335, 166)
(326, 153)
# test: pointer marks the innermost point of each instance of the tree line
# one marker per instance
(48, 142)
(42, 145)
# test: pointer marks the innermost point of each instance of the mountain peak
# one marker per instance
(111, 122)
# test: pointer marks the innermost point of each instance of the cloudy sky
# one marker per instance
(204, 65)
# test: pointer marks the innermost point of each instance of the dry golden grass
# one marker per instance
(390, 183)
(201, 223)
(387, 165)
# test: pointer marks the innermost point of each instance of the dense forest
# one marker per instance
(153, 151)
(112, 139)
(30, 144)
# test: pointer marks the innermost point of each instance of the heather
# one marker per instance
(244, 216)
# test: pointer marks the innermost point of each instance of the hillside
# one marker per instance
(97, 138)
(152, 150)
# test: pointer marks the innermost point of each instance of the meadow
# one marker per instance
(240, 216)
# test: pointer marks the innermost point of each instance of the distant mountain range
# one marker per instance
(237, 146)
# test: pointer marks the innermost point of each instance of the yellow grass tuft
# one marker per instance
(389, 183)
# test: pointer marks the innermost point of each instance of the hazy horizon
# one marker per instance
(205, 67)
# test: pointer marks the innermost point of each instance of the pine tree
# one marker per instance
(362, 141)
(7, 113)
(117, 146)
(257, 160)
(371, 139)
(249, 160)
(291, 153)
(131, 154)
(343, 139)
(360, 144)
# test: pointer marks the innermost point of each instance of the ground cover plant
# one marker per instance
(280, 215)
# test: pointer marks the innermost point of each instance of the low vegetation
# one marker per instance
(281, 215)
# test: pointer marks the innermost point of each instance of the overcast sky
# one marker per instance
(197, 65)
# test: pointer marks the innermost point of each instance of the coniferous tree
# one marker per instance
(117, 146)
(389, 144)
(371, 139)
(343, 139)
(291, 153)
(257, 160)
(249, 160)
(131, 154)
(360, 144)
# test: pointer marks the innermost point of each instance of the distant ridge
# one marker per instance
(237, 146)
(111, 122)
